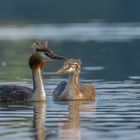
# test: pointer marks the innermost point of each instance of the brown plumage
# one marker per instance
(73, 89)
(37, 61)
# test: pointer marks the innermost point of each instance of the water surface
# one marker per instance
(114, 115)
(110, 60)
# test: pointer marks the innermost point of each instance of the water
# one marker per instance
(110, 65)
(114, 115)
(105, 35)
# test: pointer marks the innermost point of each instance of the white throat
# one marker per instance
(38, 86)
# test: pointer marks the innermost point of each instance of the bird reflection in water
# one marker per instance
(37, 112)
(39, 120)
(67, 130)
(71, 130)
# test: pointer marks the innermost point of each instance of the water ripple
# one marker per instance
(114, 115)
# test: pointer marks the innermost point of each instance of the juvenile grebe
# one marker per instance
(36, 62)
(73, 89)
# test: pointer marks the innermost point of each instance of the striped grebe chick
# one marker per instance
(73, 89)
(37, 61)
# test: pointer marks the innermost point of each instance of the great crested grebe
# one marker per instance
(36, 62)
(73, 89)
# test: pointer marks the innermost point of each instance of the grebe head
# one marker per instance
(70, 66)
(41, 54)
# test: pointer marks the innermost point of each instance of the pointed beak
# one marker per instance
(61, 71)
(57, 57)
(50, 54)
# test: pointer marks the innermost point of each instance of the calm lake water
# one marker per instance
(105, 35)
(110, 59)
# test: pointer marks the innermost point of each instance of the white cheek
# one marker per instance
(44, 56)
(71, 69)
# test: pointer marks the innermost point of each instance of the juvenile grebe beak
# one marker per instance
(61, 71)
(65, 70)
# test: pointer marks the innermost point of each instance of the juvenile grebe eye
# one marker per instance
(74, 65)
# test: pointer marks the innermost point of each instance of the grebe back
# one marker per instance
(37, 61)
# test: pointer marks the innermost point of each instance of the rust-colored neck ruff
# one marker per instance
(35, 61)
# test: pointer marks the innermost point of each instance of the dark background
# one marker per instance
(69, 11)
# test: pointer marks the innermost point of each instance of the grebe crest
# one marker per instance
(41, 54)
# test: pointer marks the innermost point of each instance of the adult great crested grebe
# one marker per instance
(73, 89)
(36, 62)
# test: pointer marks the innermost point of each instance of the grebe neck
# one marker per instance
(74, 85)
(38, 86)
(74, 79)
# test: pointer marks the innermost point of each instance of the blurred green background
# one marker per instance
(104, 34)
